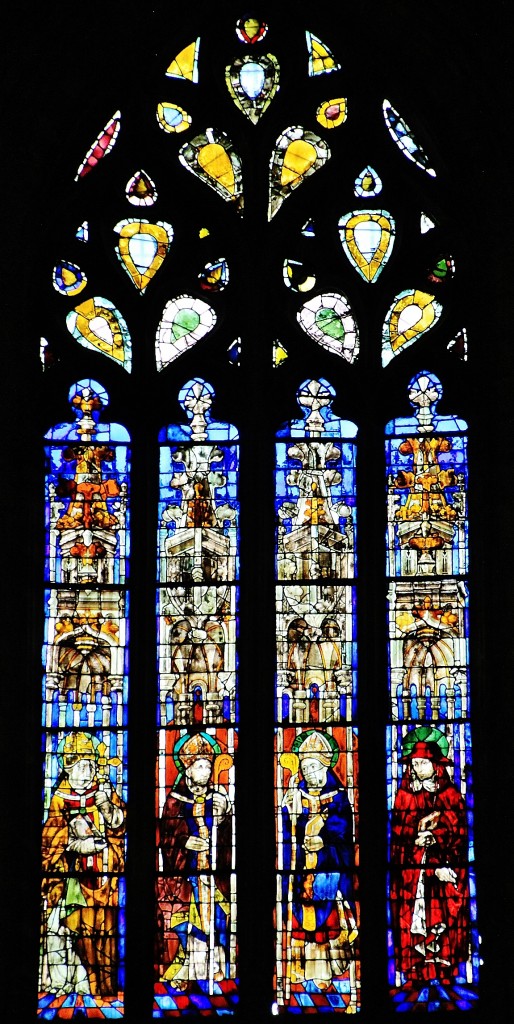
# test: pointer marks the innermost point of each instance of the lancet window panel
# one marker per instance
(434, 942)
(198, 569)
(316, 736)
(85, 697)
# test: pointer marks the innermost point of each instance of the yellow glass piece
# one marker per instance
(332, 113)
(215, 161)
(141, 189)
(203, 233)
(321, 59)
(163, 240)
(68, 276)
(279, 353)
(399, 332)
(306, 285)
(369, 268)
(368, 182)
(72, 282)
(299, 157)
(91, 323)
(251, 27)
(185, 64)
(213, 277)
(173, 118)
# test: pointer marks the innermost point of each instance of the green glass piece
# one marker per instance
(440, 269)
(330, 323)
(185, 322)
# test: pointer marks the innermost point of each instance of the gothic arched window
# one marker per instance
(258, 256)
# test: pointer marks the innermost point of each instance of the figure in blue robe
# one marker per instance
(318, 861)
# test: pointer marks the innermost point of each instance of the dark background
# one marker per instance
(65, 71)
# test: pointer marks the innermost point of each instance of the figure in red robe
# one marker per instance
(429, 876)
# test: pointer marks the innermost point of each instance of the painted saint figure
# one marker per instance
(196, 845)
(429, 855)
(319, 856)
(83, 855)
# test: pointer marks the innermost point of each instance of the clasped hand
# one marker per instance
(84, 838)
(197, 844)
(424, 839)
(312, 844)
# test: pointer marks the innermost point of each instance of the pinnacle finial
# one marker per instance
(196, 398)
(315, 395)
(425, 390)
(87, 398)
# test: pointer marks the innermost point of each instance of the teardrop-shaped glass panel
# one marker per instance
(367, 237)
(142, 247)
(68, 279)
(328, 319)
(332, 113)
(298, 277)
(253, 83)
(212, 158)
(367, 183)
(140, 190)
(214, 277)
(298, 154)
(234, 351)
(46, 354)
(280, 354)
(82, 232)
(443, 270)
(308, 229)
(425, 223)
(101, 146)
(411, 314)
(404, 139)
(97, 324)
(459, 345)
(185, 64)
(172, 118)
(321, 58)
(251, 30)
(184, 321)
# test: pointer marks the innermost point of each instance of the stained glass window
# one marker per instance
(317, 767)
(85, 702)
(433, 933)
(372, 246)
(197, 602)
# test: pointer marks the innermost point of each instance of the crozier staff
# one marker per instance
(319, 855)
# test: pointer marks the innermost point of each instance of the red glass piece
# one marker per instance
(102, 145)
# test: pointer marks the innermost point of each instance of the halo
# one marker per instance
(180, 743)
(425, 734)
(303, 736)
(94, 740)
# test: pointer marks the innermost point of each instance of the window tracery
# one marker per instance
(288, 342)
